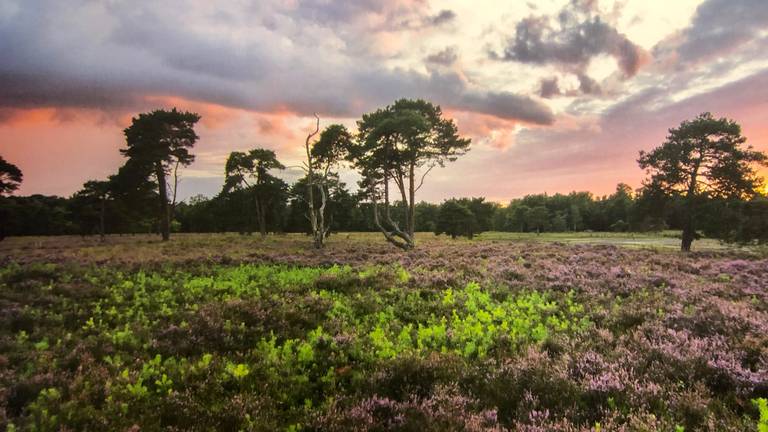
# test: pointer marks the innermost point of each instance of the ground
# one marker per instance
(505, 332)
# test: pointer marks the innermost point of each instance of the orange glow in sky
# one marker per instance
(556, 96)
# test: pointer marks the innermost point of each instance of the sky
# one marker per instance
(556, 96)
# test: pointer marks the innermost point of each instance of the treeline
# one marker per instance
(702, 179)
(624, 210)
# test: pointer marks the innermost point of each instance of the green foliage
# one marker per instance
(10, 177)
(762, 407)
(455, 219)
(249, 174)
(295, 335)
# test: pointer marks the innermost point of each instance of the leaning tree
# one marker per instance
(701, 159)
(400, 145)
(251, 172)
(158, 143)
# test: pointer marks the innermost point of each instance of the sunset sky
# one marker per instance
(556, 95)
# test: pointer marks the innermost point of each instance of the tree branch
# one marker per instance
(424, 176)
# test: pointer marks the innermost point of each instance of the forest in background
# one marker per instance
(624, 210)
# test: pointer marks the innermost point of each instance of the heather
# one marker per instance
(243, 334)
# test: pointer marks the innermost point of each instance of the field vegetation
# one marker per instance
(230, 332)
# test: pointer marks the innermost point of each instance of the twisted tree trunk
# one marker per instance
(316, 216)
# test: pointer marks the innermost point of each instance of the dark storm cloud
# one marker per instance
(445, 57)
(720, 27)
(118, 54)
(187, 51)
(31, 90)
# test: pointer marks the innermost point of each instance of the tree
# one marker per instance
(133, 191)
(700, 159)
(10, 177)
(426, 216)
(455, 219)
(537, 219)
(619, 204)
(322, 156)
(395, 145)
(251, 171)
(559, 222)
(92, 200)
(483, 211)
(737, 221)
(159, 142)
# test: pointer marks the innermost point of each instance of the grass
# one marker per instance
(144, 248)
(664, 240)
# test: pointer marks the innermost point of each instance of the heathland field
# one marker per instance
(599, 332)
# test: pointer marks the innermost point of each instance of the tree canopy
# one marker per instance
(10, 177)
(455, 219)
(250, 172)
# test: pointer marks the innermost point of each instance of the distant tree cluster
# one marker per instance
(700, 180)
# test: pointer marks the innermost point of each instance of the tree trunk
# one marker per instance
(411, 204)
(261, 218)
(316, 216)
(321, 230)
(317, 241)
(688, 236)
(101, 219)
(165, 209)
(407, 241)
(390, 236)
(689, 231)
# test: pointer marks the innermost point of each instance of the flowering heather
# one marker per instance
(221, 333)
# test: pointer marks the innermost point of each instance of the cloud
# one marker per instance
(720, 27)
(145, 50)
(549, 88)
(587, 85)
(445, 57)
(507, 106)
(443, 17)
(573, 44)
(570, 41)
